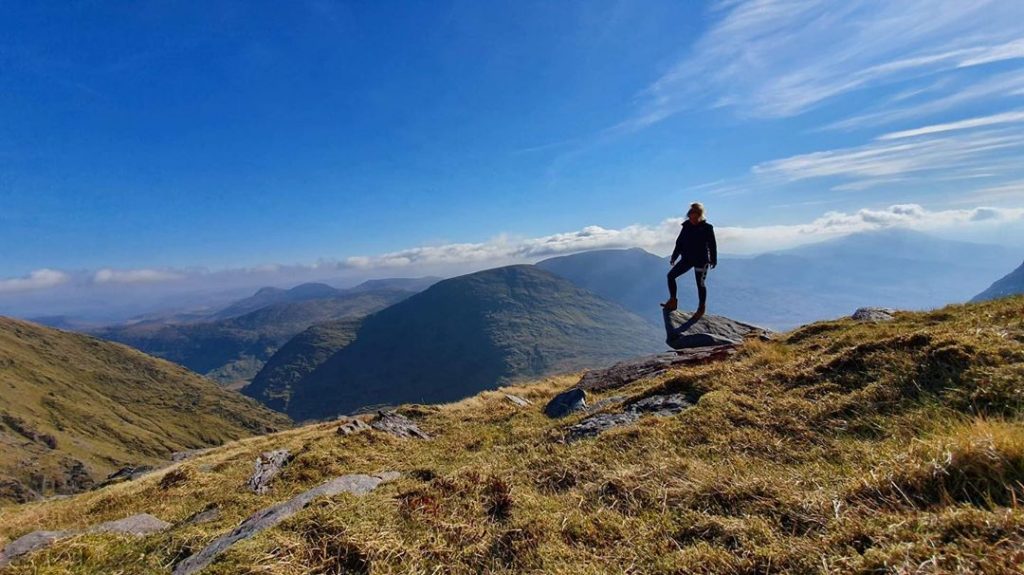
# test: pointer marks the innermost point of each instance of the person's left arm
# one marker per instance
(712, 246)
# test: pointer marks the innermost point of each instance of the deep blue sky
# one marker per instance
(172, 135)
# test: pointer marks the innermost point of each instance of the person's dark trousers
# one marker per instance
(700, 274)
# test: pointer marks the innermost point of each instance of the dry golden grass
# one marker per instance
(838, 448)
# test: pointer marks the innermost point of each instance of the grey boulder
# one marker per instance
(567, 402)
(873, 314)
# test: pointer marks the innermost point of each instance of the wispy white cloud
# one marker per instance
(1005, 86)
(36, 280)
(902, 158)
(994, 119)
(778, 58)
(135, 276)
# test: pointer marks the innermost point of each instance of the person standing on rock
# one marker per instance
(696, 249)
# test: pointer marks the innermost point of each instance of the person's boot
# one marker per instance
(698, 314)
(671, 305)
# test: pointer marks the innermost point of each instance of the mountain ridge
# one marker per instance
(469, 333)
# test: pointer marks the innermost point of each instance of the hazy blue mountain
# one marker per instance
(470, 333)
(893, 268)
(1010, 284)
(407, 284)
(272, 295)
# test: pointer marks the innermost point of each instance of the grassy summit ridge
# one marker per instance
(67, 398)
(837, 448)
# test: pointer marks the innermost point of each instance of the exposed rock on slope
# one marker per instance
(681, 332)
(355, 484)
(472, 333)
(94, 406)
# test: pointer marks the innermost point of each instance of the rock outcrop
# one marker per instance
(351, 425)
(657, 405)
(268, 465)
(397, 425)
(135, 525)
(355, 484)
(873, 314)
(681, 332)
(626, 372)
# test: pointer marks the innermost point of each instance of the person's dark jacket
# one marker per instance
(696, 244)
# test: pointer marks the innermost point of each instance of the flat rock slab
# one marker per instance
(626, 372)
(565, 403)
(268, 465)
(136, 525)
(264, 519)
(520, 401)
(681, 332)
(657, 405)
(661, 405)
(598, 424)
(29, 543)
(873, 314)
(397, 425)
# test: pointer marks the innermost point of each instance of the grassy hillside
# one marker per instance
(471, 333)
(68, 400)
(296, 359)
(838, 448)
(233, 350)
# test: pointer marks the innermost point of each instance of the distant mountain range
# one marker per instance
(1010, 284)
(232, 344)
(460, 336)
(893, 268)
(74, 408)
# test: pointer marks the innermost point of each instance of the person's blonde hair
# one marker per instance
(698, 207)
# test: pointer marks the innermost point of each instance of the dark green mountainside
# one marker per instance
(471, 333)
(1010, 284)
(74, 408)
(296, 359)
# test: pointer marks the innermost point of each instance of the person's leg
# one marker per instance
(676, 271)
(701, 276)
